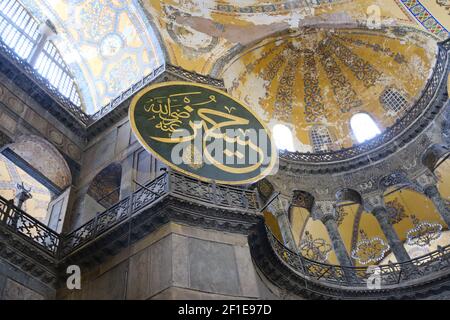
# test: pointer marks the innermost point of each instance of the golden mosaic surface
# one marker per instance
(318, 77)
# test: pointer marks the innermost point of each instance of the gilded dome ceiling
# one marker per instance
(109, 45)
(316, 80)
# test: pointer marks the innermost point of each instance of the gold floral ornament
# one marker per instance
(370, 250)
(202, 132)
(423, 232)
(314, 249)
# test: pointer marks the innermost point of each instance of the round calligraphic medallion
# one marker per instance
(202, 132)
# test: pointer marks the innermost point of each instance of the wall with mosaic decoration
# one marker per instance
(315, 77)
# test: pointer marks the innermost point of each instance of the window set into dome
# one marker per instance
(30, 41)
(224, 149)
(363, 127)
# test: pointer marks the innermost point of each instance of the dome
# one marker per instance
(314, 81)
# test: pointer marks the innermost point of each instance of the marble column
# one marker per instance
(286, 231)
(46, 31)
(337, 242)
(394, 241)
(279, 209)
(433, 194)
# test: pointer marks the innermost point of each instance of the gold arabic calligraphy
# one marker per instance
(170, 112)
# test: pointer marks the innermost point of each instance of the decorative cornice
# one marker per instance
(27, 257)
(400, 169)
(83, 125)
(118, 108)
(174, 197)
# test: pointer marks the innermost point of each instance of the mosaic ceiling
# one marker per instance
(199, 35)
(109, 44)
(321, 78)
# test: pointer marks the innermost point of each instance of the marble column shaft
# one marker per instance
(396, 245)
(337, 243)
(433, 194)
(286, 231)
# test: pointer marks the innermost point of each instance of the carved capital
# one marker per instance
(280, 205)
(431, 191)
(373, 201)
(323, 210)
(426, 180)
(303, 199)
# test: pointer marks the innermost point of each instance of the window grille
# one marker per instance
(393, 100)
(20, 31)
(321, 139)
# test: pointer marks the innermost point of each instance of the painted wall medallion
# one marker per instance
(202, 132)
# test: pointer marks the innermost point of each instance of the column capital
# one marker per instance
(373, 201)
(426, 180)
(394, 241)
(280, 205)
(431, 191)
(324, 210)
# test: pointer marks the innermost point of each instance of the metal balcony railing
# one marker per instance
(169, 183)
(391, 274)
(180, 186)
(29, 228)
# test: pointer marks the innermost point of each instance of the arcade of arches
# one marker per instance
(355, 94)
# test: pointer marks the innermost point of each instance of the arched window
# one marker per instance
(23, 34)
(283, 137)
(363, 127)
(393, 100)
(105, 187)
(321, 138)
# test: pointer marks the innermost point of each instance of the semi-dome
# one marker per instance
(314, 81)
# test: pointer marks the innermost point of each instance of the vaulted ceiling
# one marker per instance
(111, 44)
(315, 77)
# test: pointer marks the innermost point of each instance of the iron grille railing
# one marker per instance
(179, 72)
(178, 185)
(212, 194)
(127, 93)
(391, 274)
(169, 183)
(108, 219)
(29, 228)
(425, 101)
